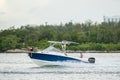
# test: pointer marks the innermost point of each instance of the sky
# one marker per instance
(36, 12)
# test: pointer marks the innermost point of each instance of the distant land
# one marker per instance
(91, 36)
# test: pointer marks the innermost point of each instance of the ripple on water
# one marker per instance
(20, 67)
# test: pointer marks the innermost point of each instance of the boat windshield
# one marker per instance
(52, 49)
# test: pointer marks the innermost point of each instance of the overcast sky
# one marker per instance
(22, 12)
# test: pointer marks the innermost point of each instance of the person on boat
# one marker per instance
(81, 55)
(31, 49)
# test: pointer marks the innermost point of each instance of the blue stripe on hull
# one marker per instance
(50, 57)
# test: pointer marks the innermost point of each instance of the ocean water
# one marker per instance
(20, 67)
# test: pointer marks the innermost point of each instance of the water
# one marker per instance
(20, 67)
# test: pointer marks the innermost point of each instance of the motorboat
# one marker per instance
(52, 55)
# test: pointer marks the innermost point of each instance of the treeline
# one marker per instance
(91, 36)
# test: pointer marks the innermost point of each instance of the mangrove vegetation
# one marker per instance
(104, 36)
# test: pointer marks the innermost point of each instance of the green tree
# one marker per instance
(9, 42)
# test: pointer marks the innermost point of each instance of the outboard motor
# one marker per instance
(91, 60)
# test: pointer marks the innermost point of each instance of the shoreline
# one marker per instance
(92, 51)
(68, 51)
